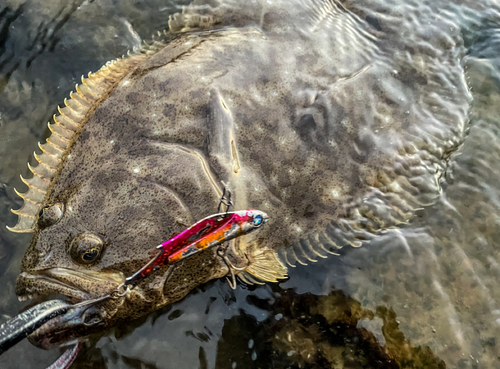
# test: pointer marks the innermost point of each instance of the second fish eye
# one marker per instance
(50, 215)
(40, 213)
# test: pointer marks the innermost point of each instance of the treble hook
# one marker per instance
(225, 200)
(231, 281)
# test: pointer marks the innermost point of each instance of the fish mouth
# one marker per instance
(76, 286)
(31, 286)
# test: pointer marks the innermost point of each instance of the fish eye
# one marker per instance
(257, 220)
(85, 248)
(40, 213)
(90, 255)
(50, 215)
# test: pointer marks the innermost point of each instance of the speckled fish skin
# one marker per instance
(309, 110)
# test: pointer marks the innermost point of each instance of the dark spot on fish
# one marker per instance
(169, 111)
(135, 98)
(308, 212)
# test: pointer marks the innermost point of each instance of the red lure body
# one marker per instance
(208, 232)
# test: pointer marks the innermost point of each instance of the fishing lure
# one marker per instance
(208, 232)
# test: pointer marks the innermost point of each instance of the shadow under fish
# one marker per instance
(310, 331)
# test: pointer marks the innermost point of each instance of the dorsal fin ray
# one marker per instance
(67, 124)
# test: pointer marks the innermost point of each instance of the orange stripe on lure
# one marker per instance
(209, 232)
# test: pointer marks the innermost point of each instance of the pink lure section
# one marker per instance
(200, 236)
(216, 236)
(66, 359)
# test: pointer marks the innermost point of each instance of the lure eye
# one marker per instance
(257, 220)
(86, 248)
(50, 215)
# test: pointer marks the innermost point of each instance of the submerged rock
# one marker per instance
(308, 331)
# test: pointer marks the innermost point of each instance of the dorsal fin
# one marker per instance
(65, 128)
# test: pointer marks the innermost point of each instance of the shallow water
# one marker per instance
(424, 295)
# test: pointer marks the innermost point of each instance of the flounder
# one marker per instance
(335, 119)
